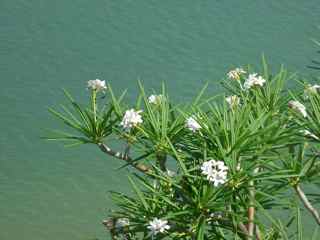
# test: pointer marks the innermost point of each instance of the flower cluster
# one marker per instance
(158, 225)
(216, 171)
(254, 80)
(235, 74)
(298, 107)
(233, 101)
(97, 85)
(131, 119)
(192, 124)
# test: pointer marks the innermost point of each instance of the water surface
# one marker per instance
(49, 192)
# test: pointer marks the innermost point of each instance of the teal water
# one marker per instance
(49, 192)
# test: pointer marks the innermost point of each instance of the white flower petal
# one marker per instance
(131, 119)
(215, 171)
(158, 225)
(233, 101)
(98, 85)
(235, 73)
(192, 124)
(298, 107)
(254, 80)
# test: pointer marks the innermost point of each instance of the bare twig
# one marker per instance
(125, 157)
(307, 203)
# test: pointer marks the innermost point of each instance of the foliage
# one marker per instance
(270, 149)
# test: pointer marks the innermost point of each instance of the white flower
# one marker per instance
(299, 107)
(215, 171)
(97, 85)
(192, 124)
(131, 119)
(158, 225)
(122, 222)
(307, 133)
(233, 101)
(311, 89)
(254, 80)
(235, 73)
(155, 99)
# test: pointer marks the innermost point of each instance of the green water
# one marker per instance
(49, 192)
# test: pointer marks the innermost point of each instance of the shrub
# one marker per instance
(236, 161)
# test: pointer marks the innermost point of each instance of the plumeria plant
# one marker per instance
(226, 167)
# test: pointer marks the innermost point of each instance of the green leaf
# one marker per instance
(200, 229)
(299, 224)
(315, 235)
(181, 163)
(139, 194)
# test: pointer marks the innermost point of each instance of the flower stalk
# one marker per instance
(94, 104)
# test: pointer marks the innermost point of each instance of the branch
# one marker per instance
(251, 209)
(125, 157)
(307, 203)
(243, 228)
(258, 233)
